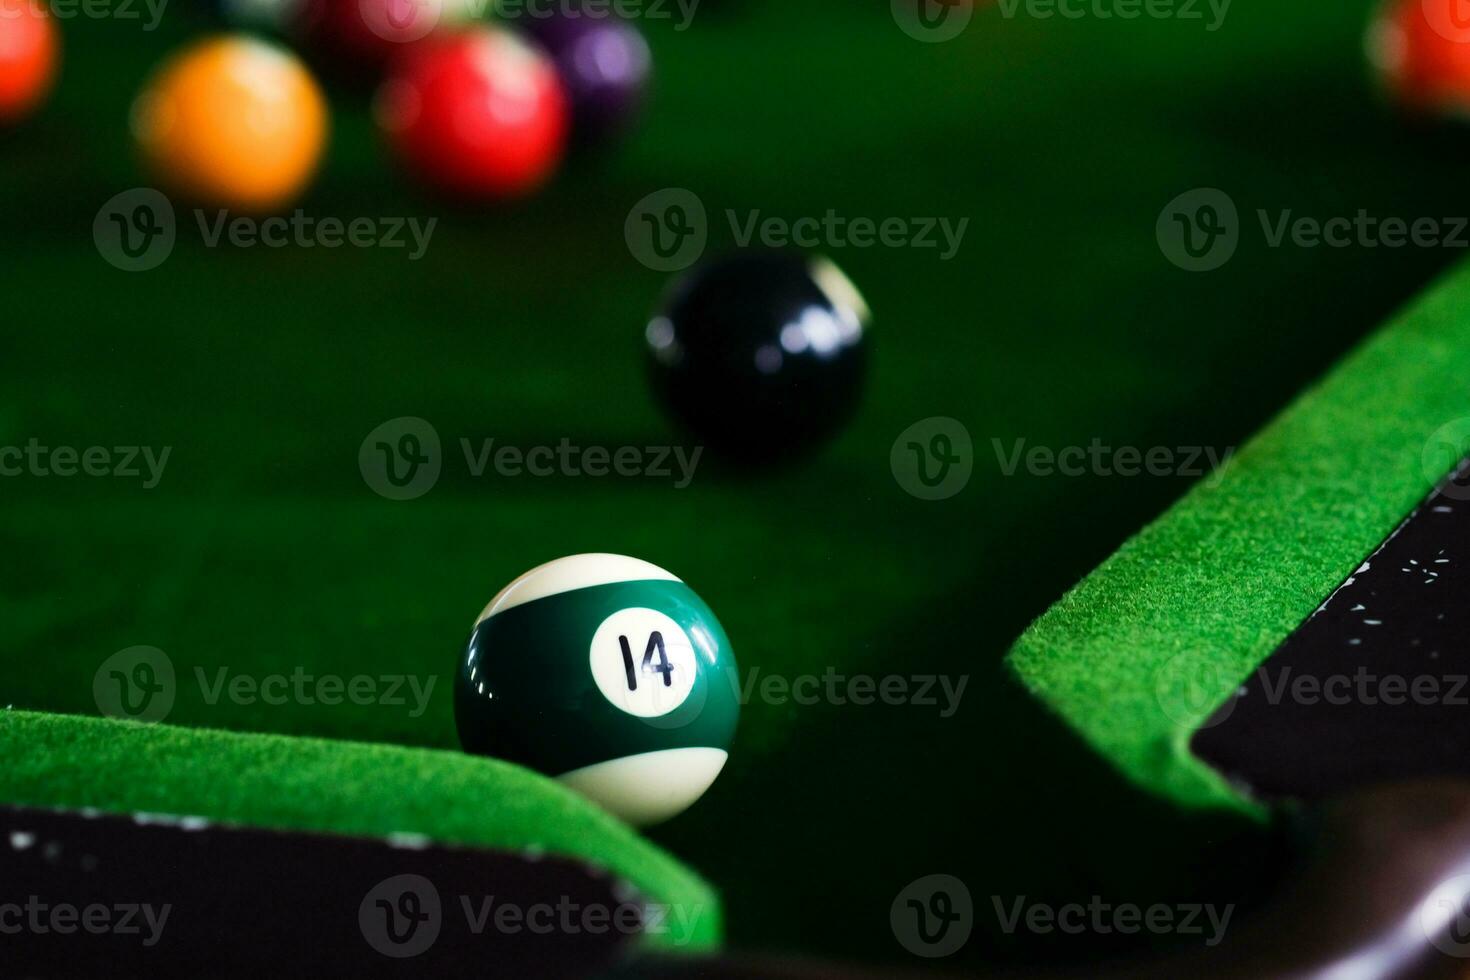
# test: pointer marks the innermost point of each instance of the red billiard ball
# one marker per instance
(29, 50)
(1421, 48)
(479, 114)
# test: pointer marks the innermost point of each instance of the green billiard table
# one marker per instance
(192, 487)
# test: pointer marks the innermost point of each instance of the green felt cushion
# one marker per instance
(318, 785)
(1137, 656)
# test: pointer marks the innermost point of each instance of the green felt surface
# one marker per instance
(357, 789)
(1139, 654)
(1059, 322)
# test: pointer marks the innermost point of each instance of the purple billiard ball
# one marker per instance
(604, 64)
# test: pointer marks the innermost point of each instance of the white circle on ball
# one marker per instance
(643, 662)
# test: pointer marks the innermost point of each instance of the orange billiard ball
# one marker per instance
(234, 122)
(30, 49)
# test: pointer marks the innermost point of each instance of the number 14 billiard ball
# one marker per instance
(607, 673)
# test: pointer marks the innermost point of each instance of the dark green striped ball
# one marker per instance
(607, 673)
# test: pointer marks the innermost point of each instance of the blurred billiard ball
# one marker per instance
(607, 673)
(232, 121)
(477, 113)
(29, 51)
(357, 41)
(604, 64)
(761, 355)
(1421, 51)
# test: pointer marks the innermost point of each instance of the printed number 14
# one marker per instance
(655, 644)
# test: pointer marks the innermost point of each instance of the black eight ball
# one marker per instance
(761, 355)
